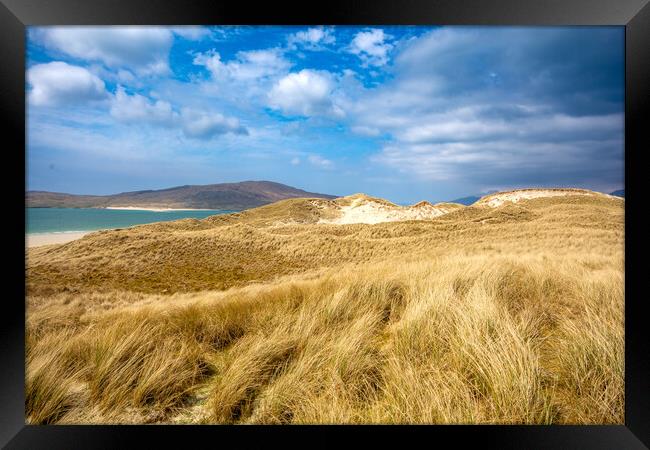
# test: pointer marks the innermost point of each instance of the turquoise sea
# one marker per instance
(59, 220)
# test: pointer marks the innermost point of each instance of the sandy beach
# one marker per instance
(39, 239)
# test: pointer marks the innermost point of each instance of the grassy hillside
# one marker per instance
(247, 194)
(44, 199)
(507, 314)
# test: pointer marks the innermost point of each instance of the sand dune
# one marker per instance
(360, 208)
(510, 313)
(515, 196)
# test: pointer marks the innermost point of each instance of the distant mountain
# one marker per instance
(619, 193)
(236, 196)
(466, 200)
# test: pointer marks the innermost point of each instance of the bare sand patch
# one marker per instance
(500, 198)
(39, 239)
(363, 209)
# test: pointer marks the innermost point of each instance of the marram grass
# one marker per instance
(513, 316)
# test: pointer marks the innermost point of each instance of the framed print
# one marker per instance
(370, 217)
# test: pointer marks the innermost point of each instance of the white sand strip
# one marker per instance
(145, 208)
(38, 239)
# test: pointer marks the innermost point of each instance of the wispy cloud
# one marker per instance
(137, 109)
(371, 46)
(321, 162)
(202, 125)
(315, 39)
(144, 50)
(247, 66)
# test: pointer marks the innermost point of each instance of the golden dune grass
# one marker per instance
(513, 315)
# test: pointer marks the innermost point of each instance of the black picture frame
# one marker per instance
(15, 15)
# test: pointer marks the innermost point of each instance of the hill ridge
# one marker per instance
(234, 196)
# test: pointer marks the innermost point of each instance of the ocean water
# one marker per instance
(60, 220)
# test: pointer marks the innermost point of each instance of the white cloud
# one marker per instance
(203, 125)
(138, 109)
(84, 142)
(306, 93)
(371, 47)
(321, 162)
(295, 161)
(249, 65)
(192, 32)
(194, 123)
(59, 83)
(312, 38)
(145, 50)
(463, 142)
(126, 76)
(456, 125)
(366, 131)
(481, 160)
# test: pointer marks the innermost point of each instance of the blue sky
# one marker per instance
(404, 113)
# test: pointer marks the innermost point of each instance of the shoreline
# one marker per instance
(143, 208)
(42, 238)
(128, 208)
(54, 237)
